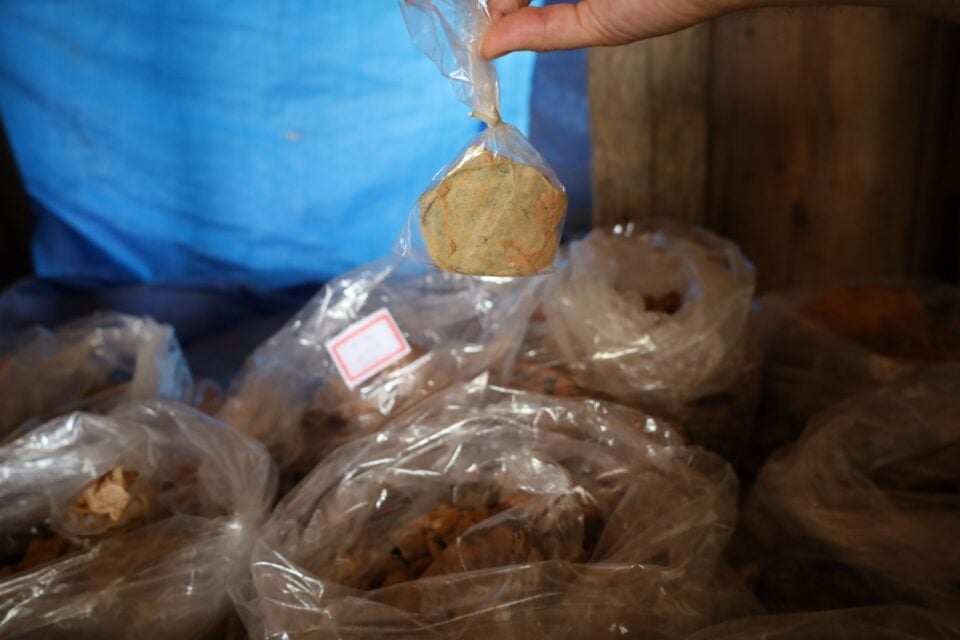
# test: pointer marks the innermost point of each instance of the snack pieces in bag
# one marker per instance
(825, 346)
(865, 508)
(873, 623)
(657, 317)
(539, 366)
(491, 513)
(498, 208)
(130, 525)
(295, 394)
(93, 364)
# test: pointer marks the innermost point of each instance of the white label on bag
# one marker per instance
(367, 347)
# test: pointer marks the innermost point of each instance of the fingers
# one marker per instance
(558, 26)
(500, 8)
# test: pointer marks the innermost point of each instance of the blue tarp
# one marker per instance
(220, 151)
(212, 141)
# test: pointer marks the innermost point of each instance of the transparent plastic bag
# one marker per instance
(92, 364)
(868, 623)
(144, 517)
(292, 397)
(491, 513)
(827, 345)
(657, 317)
(498, 208)
(865, 507)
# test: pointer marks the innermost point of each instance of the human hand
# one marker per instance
(517, 26)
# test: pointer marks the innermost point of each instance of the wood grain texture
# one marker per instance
(827, 136)
(815, 138)
(649, 123)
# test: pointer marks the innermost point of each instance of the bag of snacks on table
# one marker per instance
(657, 317)
(498, 208)
(865, 508)
(369, 344)
(825, 346)
(868, 623)
(492, 513)
(132, 525)
(92, 364)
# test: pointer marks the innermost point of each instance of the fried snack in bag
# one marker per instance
(92, 364)
(292, 396)
(498, 208)
(130, 525)
(868, 623)
(491, 513)
(656, 317)
(825, 346)
(865, 507)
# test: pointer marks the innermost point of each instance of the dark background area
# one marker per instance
(15, 221)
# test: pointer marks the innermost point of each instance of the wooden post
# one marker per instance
(815, 138)
(649, 125)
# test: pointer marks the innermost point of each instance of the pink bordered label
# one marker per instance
(367, 347)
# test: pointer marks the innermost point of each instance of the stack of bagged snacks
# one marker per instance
(128, 525)
(873, 623)
(865, 508)
(822, 347)
(295, 397)
(492, 513)
(92, 364)
(656, 318)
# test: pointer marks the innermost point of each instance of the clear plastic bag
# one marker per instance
(491, 513)
(92, 364)
(657, 317)
(145, 518)
(292, 397)
(868, 623)
(824, 346)
(865, 507)
(498, 208)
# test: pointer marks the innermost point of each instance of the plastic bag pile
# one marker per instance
(94, 363)
(623, 443)
(128, 525)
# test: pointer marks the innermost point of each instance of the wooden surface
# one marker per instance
(650, 131)
(815, 138)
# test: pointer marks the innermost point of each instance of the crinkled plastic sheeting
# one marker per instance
(492, 513)
(865, 507)
(200, 490)
(825, 346)
(498, 208)
(873, 623)
(292, 397)
(92, 364)
(657, 317)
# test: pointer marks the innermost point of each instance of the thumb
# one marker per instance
(558, 26)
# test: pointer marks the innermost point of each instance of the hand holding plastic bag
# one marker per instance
(128, 525)
(485, 513)
(498, 208)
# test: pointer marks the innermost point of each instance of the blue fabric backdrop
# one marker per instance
(269, 143)
(220, 151)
